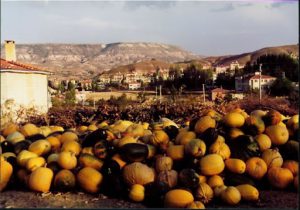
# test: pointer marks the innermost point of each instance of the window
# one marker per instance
(255, 80)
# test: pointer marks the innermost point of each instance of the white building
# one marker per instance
(221, 69)
(251, 82)
(104, 78)
(117, 78)
(22, 84)
(134, 86)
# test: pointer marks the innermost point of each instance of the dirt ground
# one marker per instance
(25, 199)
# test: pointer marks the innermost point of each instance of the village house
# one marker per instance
(218, 93)
(117, 78)
(235, 65)
(251, 82)
(104, 78)
(221, 69)
(22, 84)
(134, 85)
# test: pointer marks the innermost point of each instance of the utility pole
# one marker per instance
(160, 94)
(260, 83)
(203, 88)
(156, 93)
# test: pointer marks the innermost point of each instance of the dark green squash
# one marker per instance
(172, 131)
(7, 147)
(92, 138)
(154, 194)
(110, 167)
(244, 147)
(114, 186)
(209, 136)
(22, 145)
(134, 152)
(290, 150)
(35, 137)
(188, 178)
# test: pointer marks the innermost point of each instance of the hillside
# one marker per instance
(252, 56)
(88, 60)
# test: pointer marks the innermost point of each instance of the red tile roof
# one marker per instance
(4, 64)
(262, 77)
(220, 90)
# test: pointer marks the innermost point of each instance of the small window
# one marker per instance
(255, 80)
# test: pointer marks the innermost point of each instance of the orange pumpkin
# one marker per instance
(280, 177)
(292, 165)
(6, 171)
(256, 167)
(40, 179)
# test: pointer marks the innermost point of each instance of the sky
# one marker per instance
(201, 27)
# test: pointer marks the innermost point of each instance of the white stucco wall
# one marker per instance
(26, 89)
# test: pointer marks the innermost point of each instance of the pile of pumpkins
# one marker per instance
(213, 158)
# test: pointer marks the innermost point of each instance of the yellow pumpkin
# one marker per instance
(2, 139)
(211, 164)
(195, 148)
(220, 148)
(10, 128)
(24, 156)
(163, 163)
(68, 136)
(176, 152)
(40, 147)
(256, 167)
(82, 129)
(185, 137)
(54, 142)
(215, 181)
(264, 142)
(178, 198)
(71, 146)
(202, 179)
(89, 179)
(204, 193)
(231, 195)
(136, 130)
(235, 165)
(55, 128)
(272, 158)
(64, 180)
(196, 205)
(248, 192)
(292, 165)
(234, 120)
(280, 177)
(45, 131)
(67, 160)
(87, 160)
(218, 190)
(137, 193)
(92, 127)
(87, 150)
(40, 179)
(34, 163)
(204, 123)
(138, 173)
(52, 158)
(29, 129)
(119, 160)
(278, 134)
(235, 132)
(255, 122)
(6, 171)
(159, 137)
(15, 137)
(126, 140)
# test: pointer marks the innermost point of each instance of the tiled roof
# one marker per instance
(262, 77)
(4, 64)
(219, 90)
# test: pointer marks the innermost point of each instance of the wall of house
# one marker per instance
(28, 90)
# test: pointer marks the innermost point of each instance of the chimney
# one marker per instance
(10, 51)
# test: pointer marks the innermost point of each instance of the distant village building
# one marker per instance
(221, 69)
(117, 78)
(218, 93)
(235, 65)
(134, 85)
(251, 82)
(104, 78)
(25, 85)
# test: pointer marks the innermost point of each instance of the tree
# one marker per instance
(282, 87)
(70, 97)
